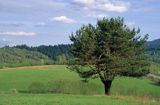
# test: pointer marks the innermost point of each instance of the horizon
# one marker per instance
(51, 22)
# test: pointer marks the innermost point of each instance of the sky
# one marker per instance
(51, 22)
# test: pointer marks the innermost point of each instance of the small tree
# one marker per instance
(106, 50)
(62, 59)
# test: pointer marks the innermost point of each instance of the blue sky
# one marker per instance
(50, 22)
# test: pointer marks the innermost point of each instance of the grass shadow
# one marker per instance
(156, 83)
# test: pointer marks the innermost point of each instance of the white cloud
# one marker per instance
(113, 7)
(41, 24)
(108, 5)
(18, 33)
(85, 2)
(97, 15)
(63, 19)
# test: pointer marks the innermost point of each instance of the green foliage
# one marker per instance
(13, 57)
(61, 59)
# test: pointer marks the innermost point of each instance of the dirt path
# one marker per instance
(26, 67)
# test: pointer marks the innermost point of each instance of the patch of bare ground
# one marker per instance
(26, 67)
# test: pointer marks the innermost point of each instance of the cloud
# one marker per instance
(108, 5)
(63, 19)
(23, 24)
(11, 24)
(21, 33)
(41, 24)
(119, 7)
(97, 15)
(27, 7)
(85, 2)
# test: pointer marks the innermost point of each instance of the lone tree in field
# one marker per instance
(108, 49)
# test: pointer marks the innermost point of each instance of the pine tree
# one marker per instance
(108, 49)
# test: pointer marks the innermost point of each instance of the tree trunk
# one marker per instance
(107, 86)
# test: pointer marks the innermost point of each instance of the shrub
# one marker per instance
(37, 87)
(65, 87)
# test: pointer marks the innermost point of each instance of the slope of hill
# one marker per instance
(155, 44)
(20, 57)
(153, 55)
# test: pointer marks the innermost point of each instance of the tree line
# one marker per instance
(60, 54)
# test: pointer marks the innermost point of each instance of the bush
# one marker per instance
(37, 87)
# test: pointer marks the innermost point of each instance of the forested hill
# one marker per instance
(12, 57)
(53, 52)
(155, 44)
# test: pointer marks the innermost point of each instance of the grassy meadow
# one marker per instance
(62, 99)
(55, 85)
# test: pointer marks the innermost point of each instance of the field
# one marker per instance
(56, 85)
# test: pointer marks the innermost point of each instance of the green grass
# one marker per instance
(61, 99)
(21, 79)
(61, 80)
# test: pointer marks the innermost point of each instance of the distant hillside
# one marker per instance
(153, 51)
(153, 55)
(53, 52)
(155, 44)
(21, 57)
